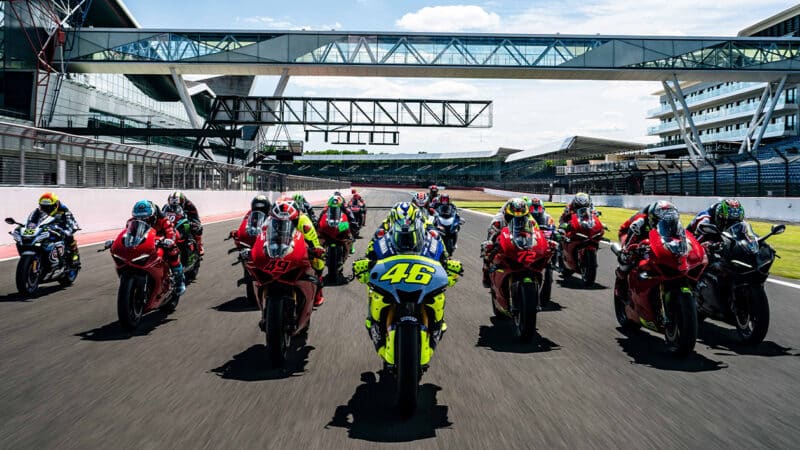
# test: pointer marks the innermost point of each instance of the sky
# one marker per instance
(526, 113)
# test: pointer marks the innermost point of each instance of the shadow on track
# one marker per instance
(371, 416)
(253, 365)
(238, 304)
(649, 350)
(114, 332)
(727, 339)
(574, 282)
(42, 292)
(500, 338)
(552, 306)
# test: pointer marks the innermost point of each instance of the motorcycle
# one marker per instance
(546, 293)
(517, 274)
(407, 297)
(42, 255)
(190, 251)
(448, 222)
(334, 234)
(360, 214)
(244, 238)
(658, 292)
(578, 246)
(286, 285)
(145, 278)
(732, 286)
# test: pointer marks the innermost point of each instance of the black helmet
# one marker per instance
(728, 212)
(260, 203)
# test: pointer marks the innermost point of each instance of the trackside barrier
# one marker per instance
(785, 209)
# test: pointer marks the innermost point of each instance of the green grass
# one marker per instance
(787, 244)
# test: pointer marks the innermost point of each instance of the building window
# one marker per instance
(791, 95)
(790, 122)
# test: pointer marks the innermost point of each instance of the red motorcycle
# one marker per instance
(286, 285)
(517, 274)
(245, 237)
(334, 235)
(577, 252)
(658, 292)
(145, 278)
(359, 213)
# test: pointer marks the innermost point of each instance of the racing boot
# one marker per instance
(319, 299)
(199, 240)
(180, 282)
(73, 257)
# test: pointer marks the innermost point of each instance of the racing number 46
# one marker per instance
(410, 273)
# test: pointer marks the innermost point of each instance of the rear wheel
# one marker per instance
(277, 336)
(333, 263)
(752, 314)
(681, 330)
(131, 299)
(406, 356)
(69, 277)
(589, 268)
(449, 244)
(562, 265)
(29, 270)
(547, 287)
(250, 288)
(526, 299)
(171, 305)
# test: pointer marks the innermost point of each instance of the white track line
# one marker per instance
(101, 242)
(771, 280)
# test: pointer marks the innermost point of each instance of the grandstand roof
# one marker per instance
(577, 147)
(110, 14)
(501, 152)
(788, 13)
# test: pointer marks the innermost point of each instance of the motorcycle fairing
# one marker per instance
(408, 277)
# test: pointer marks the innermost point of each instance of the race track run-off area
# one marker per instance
(71, 378)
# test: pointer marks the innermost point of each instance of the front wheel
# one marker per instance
(681, 327)
(589, 267)
(406, 356)
(620, 289)
(752, 314)
(131, 299)
(29, 270)
(277, 336)
(334, 264)
(525, 302)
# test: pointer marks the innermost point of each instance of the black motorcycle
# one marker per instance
(449, 223)
(732, 287)
(190, 251)
(42, 255)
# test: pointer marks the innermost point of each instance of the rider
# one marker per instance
(538, 212)
(177, 198)
(514, 207)
(50, 205)
(286, 209)
(304, 206)
(638, 226)
(443, 202)
(581, 200)
(339, 201)
(357, 200)
(149, 212)
(434, 193)
(423, 203)
(723, 214)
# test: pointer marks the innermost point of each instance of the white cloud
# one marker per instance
(449, 18)
(266, 22)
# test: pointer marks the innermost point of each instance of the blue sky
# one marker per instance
(527, 113)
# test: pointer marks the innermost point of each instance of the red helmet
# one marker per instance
(284, 210)
(444, 199)
(536, 206)
(420, 199)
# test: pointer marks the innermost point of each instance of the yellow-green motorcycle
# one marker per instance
(406, 314)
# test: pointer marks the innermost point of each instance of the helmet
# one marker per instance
(144, 210)
(49, 203)
(176, 198)
(444, 199)
(434, 189)
(420, 199)
(403, 212)
(300, 199)
(337, 194)
(335, 202)
(526, 200)
(284, 210)
(515, 207)
(537, 210)
(662, 210)
(581, 200)
(353, 191)
(260, 203)
(728, 212)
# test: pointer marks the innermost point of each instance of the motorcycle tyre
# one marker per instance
(589, 268)
(131, 301)
(25, 287)
(277, 338)
(408, 370)
(758, 314)
(683, 308)
(525, 319)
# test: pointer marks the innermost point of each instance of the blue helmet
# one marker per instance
(143, 210)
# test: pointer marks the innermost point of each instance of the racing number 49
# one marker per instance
(410, 273)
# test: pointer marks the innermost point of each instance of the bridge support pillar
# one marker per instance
(683, 118)
(761, 118)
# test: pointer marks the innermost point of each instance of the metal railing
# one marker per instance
(36, 157)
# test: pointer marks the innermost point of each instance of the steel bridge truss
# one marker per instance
(268, 52)
(339, 116)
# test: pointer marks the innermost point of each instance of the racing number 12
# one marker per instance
(414, 274)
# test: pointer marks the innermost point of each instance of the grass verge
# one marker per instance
(787, 244)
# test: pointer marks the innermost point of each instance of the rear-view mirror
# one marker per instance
(778, 229)
(708, 228)
(10, 221)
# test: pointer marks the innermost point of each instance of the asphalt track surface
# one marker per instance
(71, 378)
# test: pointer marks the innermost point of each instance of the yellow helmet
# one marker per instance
(49, 203)
(516, 207)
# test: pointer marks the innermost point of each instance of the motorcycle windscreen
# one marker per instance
(255, 223)
(408, 278)
(407, 238)
(135, 233)
(446, 211)
(280, 238)
(520, 229)
(334, 217)
(744, 236)
(585, 217)
(673, 236)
